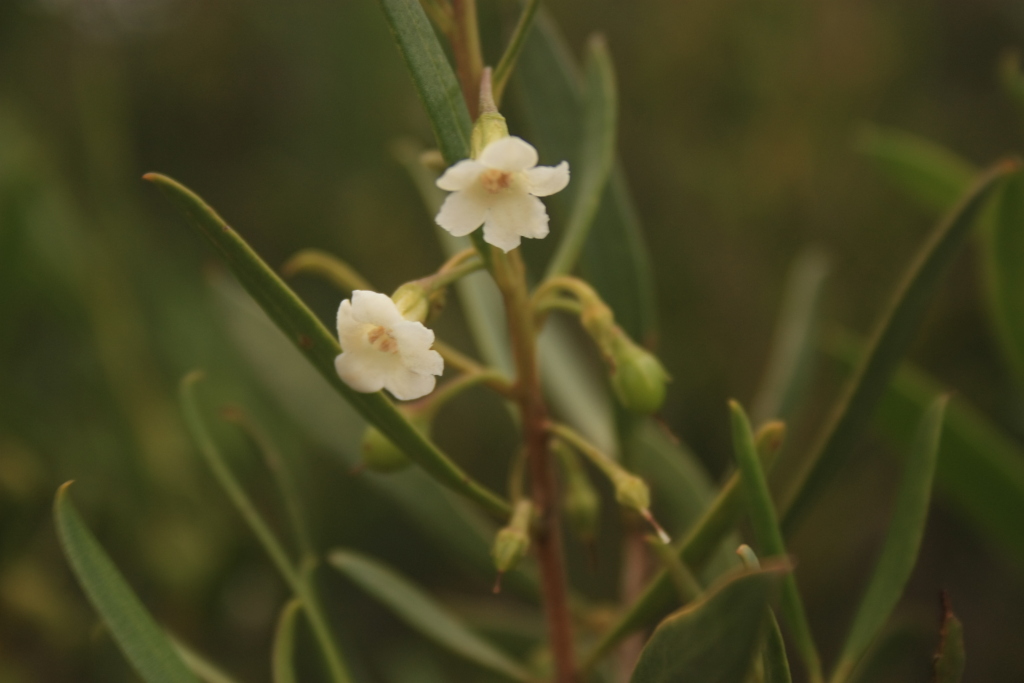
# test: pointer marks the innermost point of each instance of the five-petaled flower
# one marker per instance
(499, 190)
(383, 350)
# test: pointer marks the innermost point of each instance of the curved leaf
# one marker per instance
(1003, 259)
(928, 172)
(304, 330)
(890, 341)
(715, 639)
(902, 542)
(282, 656)
(421, 612)
(144, 643)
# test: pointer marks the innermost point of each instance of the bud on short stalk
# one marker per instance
(513, 541)
(638, 377)
(413, 301)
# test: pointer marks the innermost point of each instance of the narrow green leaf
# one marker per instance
(615, 258)
(715, 639)
(143, 642)
(423, 613)
(1002, 255)
(950, 660)
(980, 469)
(902, 542)
(304, 330)
(433, 76)
(795, 340)
(931, 174)
(597, 155)
(769, 535)
(893, 335)
(207, 671)
(773, 654)
(282, 657)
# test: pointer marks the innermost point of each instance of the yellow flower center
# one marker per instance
(495, 180)
(382, 340)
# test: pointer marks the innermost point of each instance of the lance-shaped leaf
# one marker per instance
(931, 174)
(1003, 260)
(769, 536)
(773, 654)
(890, 341)
(433, 76)
(902, 542)
(715, 639)
(423, 613)
(304, 330)
(201, 666)
(615, 258)
(980, 469)
(149, 650)
(597, 155)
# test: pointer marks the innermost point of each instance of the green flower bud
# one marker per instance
(638, 377)
(512, 542)
(413, 301)
(632, 492)
(380, 455)
(489, 127)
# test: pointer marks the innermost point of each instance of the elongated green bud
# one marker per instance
(631, 491)
(512, 542)
(638, 377)
(413, 301)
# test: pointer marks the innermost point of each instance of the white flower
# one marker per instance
(499, 191)
(383, 350)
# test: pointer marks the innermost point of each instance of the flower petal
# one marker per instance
(374, 308)
(353, 369)
(347, 325)
(405, 385)
(463, 211)
(547, 180)
(461, 175)
(509, 154)
(515, 216)
(414, 342)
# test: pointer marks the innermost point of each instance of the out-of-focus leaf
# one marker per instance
(282, 657)
(334, 425)
(207, 671)
(435, 81)
(933, 175)
(715, 639)
(1011, 76)
(143, 642)
(1003, 259)
(299, 324)
(773, 655)
(980, 468)
(795, 341)
(597, 155)
(615, 258)
(951, 659)
(893, 335)
(423, 613)
(902, 542)
(765, 524)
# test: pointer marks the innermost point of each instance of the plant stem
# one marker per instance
(510, 276)
(469, 61)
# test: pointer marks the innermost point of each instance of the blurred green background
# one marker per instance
(737, 129)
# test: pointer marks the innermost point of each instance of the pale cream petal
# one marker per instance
(461, 175)
(509, 154)
(547, 180)
(346, 323)
(515, 216)
(463, 212)
(406, 385)
(374, 308)
(351, 366)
